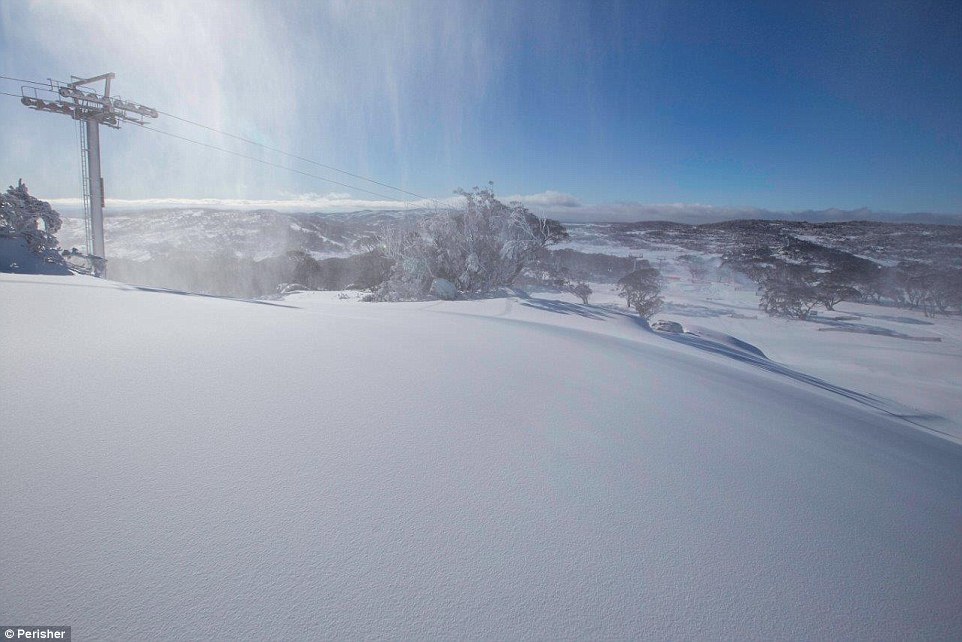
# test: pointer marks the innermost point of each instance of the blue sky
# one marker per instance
(782, 106)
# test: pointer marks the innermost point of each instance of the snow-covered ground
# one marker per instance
(257, 234)
(896, 354)
(184, 467)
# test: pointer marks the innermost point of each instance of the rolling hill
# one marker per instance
(180, 466)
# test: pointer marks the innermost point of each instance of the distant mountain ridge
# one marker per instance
(697, 214)
(691, 214)
(835, 215)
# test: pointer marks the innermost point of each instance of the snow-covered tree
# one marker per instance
(641, 289)
(481, 246)
(832, 289)
(788, 290)
(582, 290)
(697, 266)
(947, 291)
(751, 260)
(21, 215)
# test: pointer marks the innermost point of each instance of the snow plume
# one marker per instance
(354, 85)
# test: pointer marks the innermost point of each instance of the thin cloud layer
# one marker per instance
(324, 203)
(547, 199)
(551, 204)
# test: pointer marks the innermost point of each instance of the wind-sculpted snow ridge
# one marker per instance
(718, 344)
(734, 348)
(495, 469)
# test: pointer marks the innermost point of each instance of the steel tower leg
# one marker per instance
(96, 191)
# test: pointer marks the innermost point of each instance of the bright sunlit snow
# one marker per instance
(182, 466)
(460, 320)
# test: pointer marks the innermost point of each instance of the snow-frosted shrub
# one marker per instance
(641, 289)
(21, 216)
(947, 290)
(481, 246)
(582, 290)
(788, 290)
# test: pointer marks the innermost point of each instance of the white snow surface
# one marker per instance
(183, 467)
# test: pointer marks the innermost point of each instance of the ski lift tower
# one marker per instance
(90, 109)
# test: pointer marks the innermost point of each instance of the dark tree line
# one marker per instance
(914, 284)
(799, 275)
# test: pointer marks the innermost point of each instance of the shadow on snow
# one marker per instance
(126, 287)
(745, 355)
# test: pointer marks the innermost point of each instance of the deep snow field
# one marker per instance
(898, 355)
(181, 467)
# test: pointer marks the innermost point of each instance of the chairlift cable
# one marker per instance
(270, 164)
(302, 158)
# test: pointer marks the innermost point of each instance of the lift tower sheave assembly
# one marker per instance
(91, 109)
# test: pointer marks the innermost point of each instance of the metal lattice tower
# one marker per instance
(90, 109)
(85, 186)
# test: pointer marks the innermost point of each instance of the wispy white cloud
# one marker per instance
(551, 204)
(574, 211)
(570, 208)
(630, 211)
(549, 198)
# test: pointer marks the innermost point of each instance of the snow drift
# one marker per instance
(178, 466)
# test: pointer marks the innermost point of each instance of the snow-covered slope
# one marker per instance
(185, 467)
(255, 234)
(892, 353)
